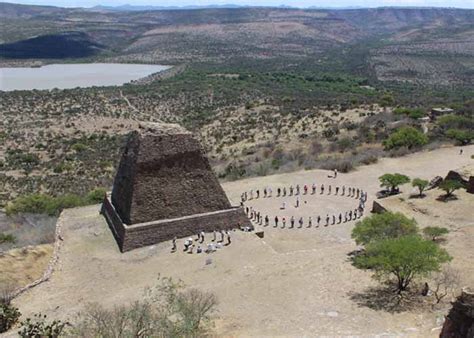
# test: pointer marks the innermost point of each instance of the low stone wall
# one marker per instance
(134, 236)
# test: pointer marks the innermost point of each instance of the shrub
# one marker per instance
(7, 238)
(461, 137)
(45, 204)
(164, 311)
(79, 147)
(9, 316)
(392, 181)
(434, 233)
(96, 195)
(39, 327)
(414, 113)
(405, 137)
(383, 226)
(420, 184)
(405, 258)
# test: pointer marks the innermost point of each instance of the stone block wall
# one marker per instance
(143, 234)
(164, 174)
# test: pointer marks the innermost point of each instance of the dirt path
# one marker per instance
(295, 282)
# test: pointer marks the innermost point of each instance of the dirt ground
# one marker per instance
(293, 282)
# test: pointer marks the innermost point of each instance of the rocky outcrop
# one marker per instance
(435, 182)
(377, 208)
(455, 176)
(470, 185)
(459, 322)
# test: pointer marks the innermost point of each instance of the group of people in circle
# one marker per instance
(297, 191)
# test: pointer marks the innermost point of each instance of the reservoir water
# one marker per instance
(66, 76)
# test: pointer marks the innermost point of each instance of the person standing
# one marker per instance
(327, 220)
(173, 248)
(292, 222)
(310, 222)
(300, 221)
(276, 221)
(335, 173)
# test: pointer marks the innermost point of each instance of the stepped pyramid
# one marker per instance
(165, 188)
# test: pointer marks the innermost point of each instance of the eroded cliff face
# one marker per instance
(460, 320)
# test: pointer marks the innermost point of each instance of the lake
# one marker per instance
(64, 76)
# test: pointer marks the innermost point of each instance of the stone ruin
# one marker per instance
(165, 188)
(459, 322)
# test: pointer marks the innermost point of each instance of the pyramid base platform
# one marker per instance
(138, 235)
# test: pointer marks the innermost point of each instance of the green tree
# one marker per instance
(420, 184)
(462, 137)
(450, 186)
(405, 137)
(383, 226)
(434, 233)
(386, 100)
(392, 181)
(404, 258)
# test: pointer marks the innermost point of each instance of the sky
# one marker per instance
(293, 3)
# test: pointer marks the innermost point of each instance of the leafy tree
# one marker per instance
(383, 226)
(434, 233)
(450, 186)
(461, 137)
(420, 184)
(392, 181)
(404, 258)
(386, 100)
(405, 137)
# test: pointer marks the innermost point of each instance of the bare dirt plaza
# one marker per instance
(293, 282)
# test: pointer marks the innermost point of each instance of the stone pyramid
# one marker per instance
(164, 180)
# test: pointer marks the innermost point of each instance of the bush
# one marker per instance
(45, 204)
(434, 233)
(405, 258)
(79, 147)
(9, 316)
(39, 327)
(461, 137)
(96, 195)
(7, 238)
(383, 226)
(164, 311)
(414, 113)
(405, 137)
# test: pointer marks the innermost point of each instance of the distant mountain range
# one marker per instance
(129, 7)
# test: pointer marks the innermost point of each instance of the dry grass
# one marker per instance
(22, 266)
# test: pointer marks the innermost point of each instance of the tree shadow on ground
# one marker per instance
(417, 196)
(444, 198)
(385, 298)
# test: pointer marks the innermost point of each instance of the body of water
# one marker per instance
(65, 76)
